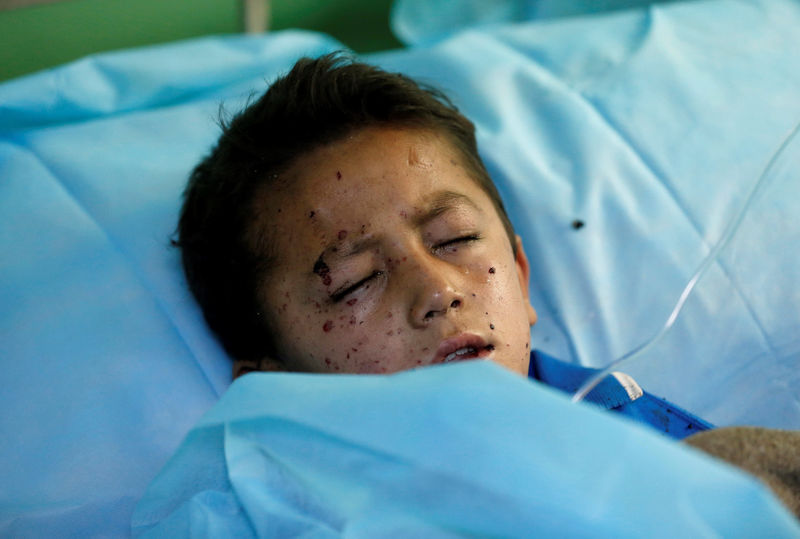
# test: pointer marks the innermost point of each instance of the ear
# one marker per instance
(523, 274)
(265, 364)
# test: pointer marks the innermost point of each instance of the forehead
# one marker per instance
(357, 184)
(374, 159)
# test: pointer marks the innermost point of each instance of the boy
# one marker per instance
(298, 267)
(346, 223)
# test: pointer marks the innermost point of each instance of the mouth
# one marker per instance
(463, 347)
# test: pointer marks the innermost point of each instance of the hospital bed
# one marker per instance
(649, 159)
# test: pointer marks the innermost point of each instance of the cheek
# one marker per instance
(376, 344)
(326, 339)
(503, 304)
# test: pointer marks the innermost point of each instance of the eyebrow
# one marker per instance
(435, 205)
(441, 202)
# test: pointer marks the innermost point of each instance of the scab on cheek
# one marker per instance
(327, 326)
(324, 272)
(331, 363)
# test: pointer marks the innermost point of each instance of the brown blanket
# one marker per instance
(771, 455)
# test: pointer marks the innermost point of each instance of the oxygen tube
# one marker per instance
(713, 255)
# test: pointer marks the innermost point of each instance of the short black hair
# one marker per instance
(318, 102)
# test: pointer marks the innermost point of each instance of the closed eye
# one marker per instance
(339, 295)
(456, 241)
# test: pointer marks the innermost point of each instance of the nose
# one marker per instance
(433, 293)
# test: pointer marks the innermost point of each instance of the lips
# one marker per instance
(461, 348)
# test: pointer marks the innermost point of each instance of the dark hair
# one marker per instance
(318, 102)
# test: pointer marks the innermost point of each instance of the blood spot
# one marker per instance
(342, 234)
(491, 270)
(327, 361)
(322, 269)
(311, 214)
(327, 326)
(352, 302)
(338, 175)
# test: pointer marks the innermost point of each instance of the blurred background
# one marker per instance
(36, 34)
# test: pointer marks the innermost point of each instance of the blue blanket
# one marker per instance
(449, 451)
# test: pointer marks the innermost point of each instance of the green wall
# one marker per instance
(50, 34)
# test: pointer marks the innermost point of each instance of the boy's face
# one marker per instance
(389, 257)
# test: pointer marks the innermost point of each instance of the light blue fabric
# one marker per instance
(105, 361)
(422, 22)
(650, 126)
(450, 451)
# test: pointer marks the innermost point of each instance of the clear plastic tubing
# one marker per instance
(712, 257)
